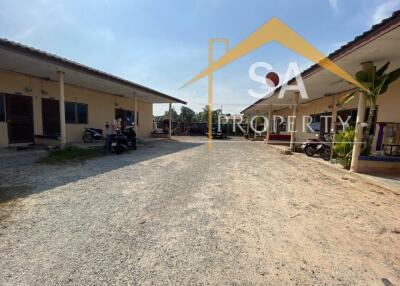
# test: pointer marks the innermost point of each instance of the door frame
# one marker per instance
(44, 117)
(8, 119)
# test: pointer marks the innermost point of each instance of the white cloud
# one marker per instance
(334, 4)
(384, 10)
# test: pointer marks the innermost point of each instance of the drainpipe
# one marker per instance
(294, 114)
(359, 126)
(170, 121)
(63, 136)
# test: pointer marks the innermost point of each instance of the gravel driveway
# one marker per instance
(177, 213)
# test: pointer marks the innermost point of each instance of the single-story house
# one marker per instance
(46, 96)
(378, 45)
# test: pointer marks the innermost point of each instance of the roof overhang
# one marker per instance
(379, 45)
(32, 62)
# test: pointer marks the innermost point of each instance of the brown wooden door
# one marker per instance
(50, 116)
(19, 112)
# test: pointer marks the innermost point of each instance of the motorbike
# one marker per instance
(92, 134)
(322, 147)
(124, 140)
(130, 134)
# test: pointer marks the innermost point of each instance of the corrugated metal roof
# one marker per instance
(55, 59)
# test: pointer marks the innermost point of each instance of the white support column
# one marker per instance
(63, 135)
(269, 123)
(255, 127)
(333, 122)
(294, 114)
(248, 126)
(136, 115)
(334, 113)
(358, 133)
(170, 121)
(358, 136)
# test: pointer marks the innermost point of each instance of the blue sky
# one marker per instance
(162, 44)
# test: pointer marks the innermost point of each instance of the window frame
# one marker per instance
(125, 115)
(76, 117)
(316, 120)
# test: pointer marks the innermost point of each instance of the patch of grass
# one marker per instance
(70, 154)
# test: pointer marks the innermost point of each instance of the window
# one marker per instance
(127, 117)
(76, 113)
(315, 123)
(280, 125)
(82, 113)
(2, 108)
(70, 112)
(348, 117)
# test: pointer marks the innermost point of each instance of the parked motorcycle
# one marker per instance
(92, 134)
(322, 147)
(130, 134)
(124, 141)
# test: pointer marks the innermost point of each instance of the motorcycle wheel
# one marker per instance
(310, 151)
(326, 154)
(119, 149)
(87, 138)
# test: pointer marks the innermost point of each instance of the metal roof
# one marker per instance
(55, 59)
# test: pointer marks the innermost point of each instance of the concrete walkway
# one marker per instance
(388, 181)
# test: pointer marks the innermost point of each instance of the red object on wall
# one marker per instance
(272, 79)
(281, 137)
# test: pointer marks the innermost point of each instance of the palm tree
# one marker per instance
(376, 82)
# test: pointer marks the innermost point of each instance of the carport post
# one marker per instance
(359, 124)
(255, 128)
(333, 122)
(136, 114)
(63, 136)
(293, 131)
(269, 123)
(170, 121)
(248, 126)
(359, 132)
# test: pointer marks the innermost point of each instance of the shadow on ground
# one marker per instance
(21, 175)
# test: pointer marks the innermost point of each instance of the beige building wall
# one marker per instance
(389, 104)
(101, 106)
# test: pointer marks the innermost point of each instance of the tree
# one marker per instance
(186, 117)
(203, 115)
(174, 114)
(376, 83)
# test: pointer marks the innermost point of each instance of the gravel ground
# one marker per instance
(177, 213)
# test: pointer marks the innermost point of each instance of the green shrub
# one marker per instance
(344, 141)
